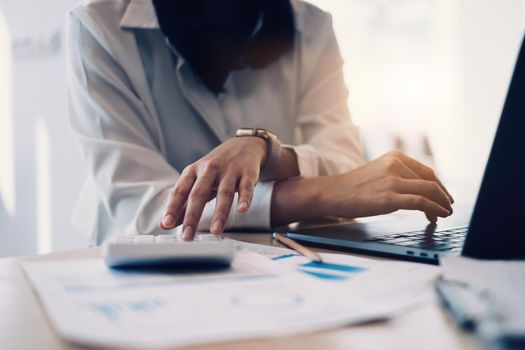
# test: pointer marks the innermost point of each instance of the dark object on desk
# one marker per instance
(496, 228)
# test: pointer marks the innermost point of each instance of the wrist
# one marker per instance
(321, 197)
(328, 194)
(288, 166)
(254, 146)
(299, 199)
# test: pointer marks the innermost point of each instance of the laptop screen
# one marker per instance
(496, 230)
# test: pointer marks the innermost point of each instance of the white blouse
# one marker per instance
(140, 115)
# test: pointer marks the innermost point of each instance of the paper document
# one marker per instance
(91, 304)
(389, 285)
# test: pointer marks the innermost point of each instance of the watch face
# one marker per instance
(262, 133)
(246, 132)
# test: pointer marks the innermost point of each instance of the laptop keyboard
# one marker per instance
(449, 240)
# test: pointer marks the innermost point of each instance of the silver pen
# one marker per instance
(465, 306)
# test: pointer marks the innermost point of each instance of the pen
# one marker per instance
(462, 304)
(310, 254)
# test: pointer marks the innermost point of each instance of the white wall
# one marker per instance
(490, 34)
(36, 206)
(436, 67)
(7, 160)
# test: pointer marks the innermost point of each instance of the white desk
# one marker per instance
(24, 325)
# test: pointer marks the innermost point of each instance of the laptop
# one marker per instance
(495, 230)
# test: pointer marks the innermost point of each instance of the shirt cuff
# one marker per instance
(307, 160)
(258, 216)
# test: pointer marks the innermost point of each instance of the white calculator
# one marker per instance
(149, 250)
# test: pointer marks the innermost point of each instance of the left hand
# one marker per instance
(233, 166)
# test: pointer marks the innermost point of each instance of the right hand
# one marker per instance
(392, 182)
(231, 167)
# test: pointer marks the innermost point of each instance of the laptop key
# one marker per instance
(396, 240)
(373, 239)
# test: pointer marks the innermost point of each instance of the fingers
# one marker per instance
(225, 194)
(404, 171)
(246, 186)
(180, 219)
(225, 197)
(423, 171)
(191, 193)
(177, 200)
(417, 202)
(428, 189)
(412, 184)
(196, 201)
(432, 219)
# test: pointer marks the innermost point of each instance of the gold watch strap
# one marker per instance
(273, 148)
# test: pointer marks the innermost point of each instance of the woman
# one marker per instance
(160, 89)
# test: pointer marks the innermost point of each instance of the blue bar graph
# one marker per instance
(324, 270)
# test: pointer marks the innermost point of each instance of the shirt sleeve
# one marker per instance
(258, 217)
(329, 141)
(113, 127)
(110, 122)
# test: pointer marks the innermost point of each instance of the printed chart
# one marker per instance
(326, 270)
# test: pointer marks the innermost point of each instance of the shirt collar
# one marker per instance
(140, 14)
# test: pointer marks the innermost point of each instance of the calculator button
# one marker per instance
(124, 239)
(144, 239)
(166, 238)
(207, 237)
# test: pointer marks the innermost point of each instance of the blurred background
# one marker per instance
(426, 76)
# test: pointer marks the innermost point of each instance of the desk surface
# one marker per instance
(24, 325)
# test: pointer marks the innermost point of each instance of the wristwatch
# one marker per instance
(273, 147)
